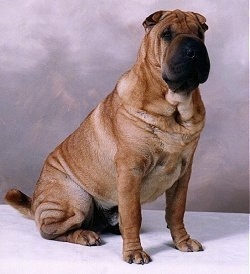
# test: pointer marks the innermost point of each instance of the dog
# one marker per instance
(136, 145)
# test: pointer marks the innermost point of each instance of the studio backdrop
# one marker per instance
(58, 59)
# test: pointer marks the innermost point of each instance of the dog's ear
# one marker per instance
(153, 19)
(202, 20)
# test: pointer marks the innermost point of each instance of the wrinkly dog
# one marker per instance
(134, 146)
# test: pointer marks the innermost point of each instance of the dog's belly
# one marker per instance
(152, 186)
(158, 181)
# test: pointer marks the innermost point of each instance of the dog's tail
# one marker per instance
(19, 201)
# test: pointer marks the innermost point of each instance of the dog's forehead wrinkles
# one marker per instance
(185, 21)
(180, 15)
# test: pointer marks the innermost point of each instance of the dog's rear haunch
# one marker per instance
(136, 145)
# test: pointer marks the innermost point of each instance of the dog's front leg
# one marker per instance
(175, 209)
(129, 181)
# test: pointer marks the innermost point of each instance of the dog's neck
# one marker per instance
(143, 88)
(149, 99)
(183, 103)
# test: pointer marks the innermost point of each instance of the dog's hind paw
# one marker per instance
(82, 237)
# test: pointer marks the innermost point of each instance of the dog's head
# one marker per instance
(177, 40)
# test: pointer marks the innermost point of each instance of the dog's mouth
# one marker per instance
(184, 86)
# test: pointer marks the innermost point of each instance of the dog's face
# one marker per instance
(184, 59)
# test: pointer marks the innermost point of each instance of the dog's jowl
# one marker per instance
(134, 146)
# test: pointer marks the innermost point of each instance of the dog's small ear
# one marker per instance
(153, 19)
(202, 20)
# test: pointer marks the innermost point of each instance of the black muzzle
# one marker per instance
(186, 64)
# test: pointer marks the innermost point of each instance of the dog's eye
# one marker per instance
(167, 35)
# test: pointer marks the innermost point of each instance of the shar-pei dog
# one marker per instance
(137, 144)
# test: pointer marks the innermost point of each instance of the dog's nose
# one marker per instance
(191, 53)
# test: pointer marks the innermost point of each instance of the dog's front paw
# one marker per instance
(189, 245)
(136, 256)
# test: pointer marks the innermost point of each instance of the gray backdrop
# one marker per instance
(58, 59)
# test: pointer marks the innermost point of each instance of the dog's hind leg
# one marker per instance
(64, 212)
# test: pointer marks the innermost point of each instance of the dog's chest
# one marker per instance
(170, 158)
(162, 175)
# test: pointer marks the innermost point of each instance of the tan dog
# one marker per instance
(134, 146)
